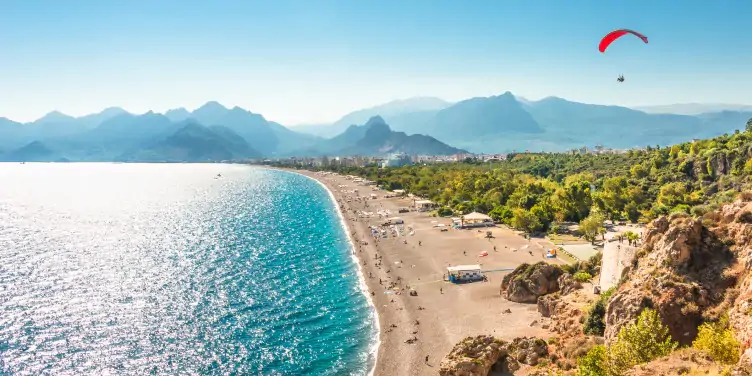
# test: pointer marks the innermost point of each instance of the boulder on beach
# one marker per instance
(527, 282)
(477, 356)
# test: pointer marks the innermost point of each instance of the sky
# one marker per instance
(313, 61)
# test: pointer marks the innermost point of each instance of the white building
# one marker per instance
(464, 273)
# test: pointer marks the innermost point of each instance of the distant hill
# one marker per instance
(53, 125)
(387, 111)
(375, 138)
(35, 151)
(693, 108)
(193, 142)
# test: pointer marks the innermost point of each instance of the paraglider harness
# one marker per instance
(620, 79)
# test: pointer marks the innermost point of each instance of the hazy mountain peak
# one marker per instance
(411, 105)
(389, 111)
(54, 116)
(177, 114)
(374, 120)
(112, 111)
(213, 106)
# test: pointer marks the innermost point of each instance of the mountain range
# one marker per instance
(210, 133)
(386, 110)
(506, 122)
(421, 125)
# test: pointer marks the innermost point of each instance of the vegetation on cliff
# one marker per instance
(639, 342)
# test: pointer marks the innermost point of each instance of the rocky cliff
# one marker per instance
(691, 270)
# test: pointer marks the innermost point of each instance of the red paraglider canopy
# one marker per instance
(616, 34)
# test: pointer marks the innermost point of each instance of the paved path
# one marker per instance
(616, 256)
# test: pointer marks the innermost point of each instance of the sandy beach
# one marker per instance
(442, 313)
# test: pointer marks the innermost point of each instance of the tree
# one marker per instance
(501, 213)
(639, 343)
(718, 341)
(592, 225)
(593, 363)
(638, 171)
(749, 125)
(613, 196)
(672, 194)
(524, 220)
(632, 211)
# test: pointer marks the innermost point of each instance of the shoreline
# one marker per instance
(415, 332)
(375, 344)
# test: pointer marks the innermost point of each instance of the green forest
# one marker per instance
(532, 191)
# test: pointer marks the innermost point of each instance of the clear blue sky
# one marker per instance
(315, 60)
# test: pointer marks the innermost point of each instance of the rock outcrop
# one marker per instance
(679, 272)
(565, 317)
(476, 356)
(523, 351)
(473, 356)
(567, 284)
(736, 222)
(527, 282)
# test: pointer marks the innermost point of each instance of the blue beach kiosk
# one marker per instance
(464, 273)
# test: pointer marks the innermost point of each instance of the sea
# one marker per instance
(176, 269)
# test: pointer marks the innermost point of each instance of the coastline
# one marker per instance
(373, 351)
(412, 329)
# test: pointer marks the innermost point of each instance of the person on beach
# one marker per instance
(426, 358)
(441, 290)
(419, 243)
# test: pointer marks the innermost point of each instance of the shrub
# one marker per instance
(593, 363)
(594, 322)
(717, 340)
(444, 212)
(639, 343)
(745, 217)
(582, 276)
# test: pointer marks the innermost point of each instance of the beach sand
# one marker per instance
(442, 313)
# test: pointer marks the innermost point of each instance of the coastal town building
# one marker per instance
(397, 160)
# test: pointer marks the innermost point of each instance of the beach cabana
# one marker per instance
(464, 273)
(424, 205)
(399, 192)
(476, 219)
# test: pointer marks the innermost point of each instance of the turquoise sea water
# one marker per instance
(136, 269)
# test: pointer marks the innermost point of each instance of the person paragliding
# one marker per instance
(614, 35)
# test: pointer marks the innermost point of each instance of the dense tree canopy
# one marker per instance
(531, 191)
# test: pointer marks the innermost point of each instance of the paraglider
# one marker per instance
(614, 35)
